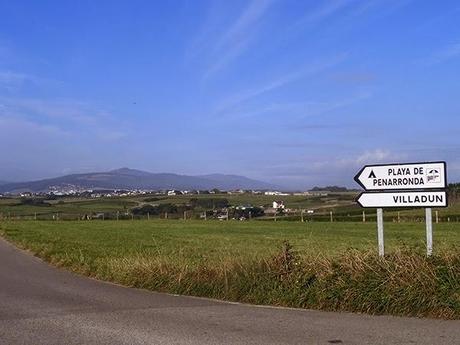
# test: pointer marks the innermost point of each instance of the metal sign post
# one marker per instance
(429, 231)
(403, 185)
(380, 232)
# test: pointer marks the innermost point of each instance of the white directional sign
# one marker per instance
(430, 175)
(403, 199)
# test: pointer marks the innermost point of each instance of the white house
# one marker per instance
(278, 205)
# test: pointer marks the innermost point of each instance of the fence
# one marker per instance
(368, 216)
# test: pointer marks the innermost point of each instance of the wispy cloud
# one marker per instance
(12, 81)
(63, 109)
(276, 83)
(70, 116)
(328, 169)
(297, 111)
(375, 156)
(321, 13)
(11, 123)
(444, 54)
(237, 38)
(344, 15)
(252, 13)
(353, 78)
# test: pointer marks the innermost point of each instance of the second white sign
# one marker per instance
(403, 199)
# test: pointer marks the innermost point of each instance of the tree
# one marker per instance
(209, 203)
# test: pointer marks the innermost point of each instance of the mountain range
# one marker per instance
(126, 178)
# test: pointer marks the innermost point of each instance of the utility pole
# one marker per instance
(301, 216)
(437, 217)
(332, 219)
(364, 216)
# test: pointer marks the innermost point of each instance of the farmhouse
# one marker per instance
(174, 192)
(278, 205)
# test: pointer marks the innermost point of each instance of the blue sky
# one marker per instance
(299, 93)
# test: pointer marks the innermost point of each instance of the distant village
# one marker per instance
(60, 191)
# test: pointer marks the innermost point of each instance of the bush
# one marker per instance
(34, 202)
(146, 209)
(155, 209)
(209, 203)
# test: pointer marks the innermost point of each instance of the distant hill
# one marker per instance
(136, 179)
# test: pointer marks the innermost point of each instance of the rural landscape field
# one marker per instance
(284, 259)
(245, 172)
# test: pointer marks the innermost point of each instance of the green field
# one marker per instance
(214, 240)
(330, 266)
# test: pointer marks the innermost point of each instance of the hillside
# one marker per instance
(136, 179)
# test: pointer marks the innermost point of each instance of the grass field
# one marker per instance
(331, 266)
(214, 240)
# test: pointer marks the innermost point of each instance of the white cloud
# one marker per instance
(377, 156)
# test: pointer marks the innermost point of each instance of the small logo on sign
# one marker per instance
(433, 176)
(372, 174)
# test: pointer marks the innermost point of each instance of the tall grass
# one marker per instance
(403, 283)
(245, 262)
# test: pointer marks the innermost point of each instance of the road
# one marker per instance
(40, 304)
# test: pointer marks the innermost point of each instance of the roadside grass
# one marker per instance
(329, 266)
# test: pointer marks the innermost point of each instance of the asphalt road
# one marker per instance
(40, 304)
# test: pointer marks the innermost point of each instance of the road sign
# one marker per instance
(403, 199)
(431, 175)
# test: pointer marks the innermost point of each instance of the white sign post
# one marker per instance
(404, 185)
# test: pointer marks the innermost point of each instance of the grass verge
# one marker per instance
(404, 283)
